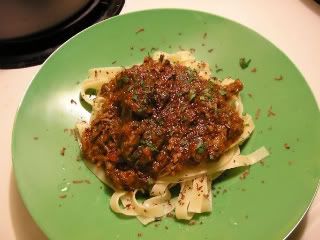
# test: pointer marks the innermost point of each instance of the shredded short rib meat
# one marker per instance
(158, 118)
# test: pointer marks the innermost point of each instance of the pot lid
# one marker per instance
(33, 49)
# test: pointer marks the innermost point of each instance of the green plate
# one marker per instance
(69, 202)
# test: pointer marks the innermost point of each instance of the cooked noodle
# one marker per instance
(195, 183)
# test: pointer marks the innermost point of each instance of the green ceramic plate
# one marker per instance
(66, 199)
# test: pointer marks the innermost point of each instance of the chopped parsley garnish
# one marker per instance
(122, 81)
(201, 147)
(192, 74)
(159, 121)
(135, 97)
(150, 181)
(92, 93)
(219, 70)
(192, 94)
(243, 63)
(202, 98)
(150, 145)
(207, 94)
(142, 84)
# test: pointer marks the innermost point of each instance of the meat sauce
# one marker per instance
(158, 118)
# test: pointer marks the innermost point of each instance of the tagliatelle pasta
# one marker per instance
(195, 182)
